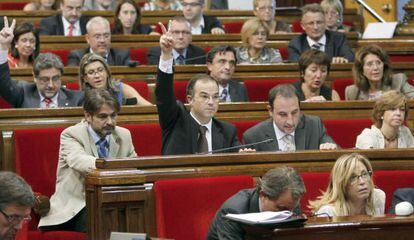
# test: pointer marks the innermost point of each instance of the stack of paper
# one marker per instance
(261, 217)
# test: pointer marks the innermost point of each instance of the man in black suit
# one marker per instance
(221, 63)
(68, 23)
(99, 39)
(193, 12)
(46, 91)
(287, 127)
(186, 132)
(334, 44)
(402, 195)
(279, 189)
(183, 52)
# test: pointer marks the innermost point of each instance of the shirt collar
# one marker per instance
(207, 125)
(106, 56)
(279, 133)
(176, 54)
(54, 98)
(66, 24)
(95, 136)
(322, 40)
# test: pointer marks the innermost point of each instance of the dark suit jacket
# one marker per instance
(210, 22)
(237, 92)
(179, 129)
(53, 25)
(336, 46)
(116, 57)
(219, 4)
(154, 54)
(309, 134)
(22, 94)
(402, 195)
(245, 201)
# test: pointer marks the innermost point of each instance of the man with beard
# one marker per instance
(98, 38)
(16, 201)
(97, 136)
(183, 51)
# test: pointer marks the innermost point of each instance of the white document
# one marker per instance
(379, 30)
(261, 217)
(127, 236)
(240, 4)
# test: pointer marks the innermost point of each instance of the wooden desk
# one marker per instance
(119, 194)
(342, 228)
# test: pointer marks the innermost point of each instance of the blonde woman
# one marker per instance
(351, 190)
(254, 51)
(389, 114)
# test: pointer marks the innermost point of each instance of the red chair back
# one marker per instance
(146, 138)
(140, 55)
(63, 54)
(4, 104)
(72, 85)
(315, 183)
(402, 58)
(296, 27)
(242, 126)
(186, 207)
(345, 132)
(141, 87)
(13, 5)
(284, 53)
(233, 27)
(340, 84)
(180, 89)
(258, 89)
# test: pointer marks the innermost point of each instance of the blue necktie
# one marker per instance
(180, 60)
(102, 147)
(223, 96)
(317, 46)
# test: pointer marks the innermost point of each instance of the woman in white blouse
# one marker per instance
(351, 190)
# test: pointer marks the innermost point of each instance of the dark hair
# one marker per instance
(96, 98)
(47, 61)
(13, 189)
(23, 29)
(220, 49)
(136, 28)
(358, 69)
(192, 82)
(278, 180)
(312, 56)
(284, 90)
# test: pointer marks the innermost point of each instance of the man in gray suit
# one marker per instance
(99, 39)
(46, 91)
(334, 44)
(97, 136)
(402, 195)
(221, 64)
(279, 189)
(289, 129)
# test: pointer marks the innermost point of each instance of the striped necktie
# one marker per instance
(102, 147)
(202, 140)
(317, 46)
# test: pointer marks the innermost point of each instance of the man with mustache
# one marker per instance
(99, 39)
(46, 91)
(69, 22)
(97, 136)
(16, 201)
(289, 129)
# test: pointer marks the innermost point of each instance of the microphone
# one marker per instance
(240, 146)
(404, 209)
(132, 63)
(130, 101)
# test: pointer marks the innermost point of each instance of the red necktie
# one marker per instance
(48, 102)
(70, 33)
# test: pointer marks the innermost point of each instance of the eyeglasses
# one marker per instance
(206, 98)
(104, 36)
(373, 64)
(261, 33)
(178, 33)
(364, 176)
(264, 8)
(332, 13)
(194, 4)
(92, 72)
(45, 80)
(311, 24)
(15, 219)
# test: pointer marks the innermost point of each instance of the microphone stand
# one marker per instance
(370, 10)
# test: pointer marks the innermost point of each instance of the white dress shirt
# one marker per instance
(76, 28)
(322, 42)
(279, 136)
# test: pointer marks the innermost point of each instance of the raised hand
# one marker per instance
(6, 34)
(166, 41)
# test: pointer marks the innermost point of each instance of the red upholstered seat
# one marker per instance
(315, 182)
(186, 207)
(4, 104)
(146, 138)
(63, 54)
(180, 89)
(12, 5)
(233, 27)
(296, 27)
(284, 53)
(340, 84)
(258, 89)
(242, 126)
(72, 85)
(345, 132)
(140, 55)
(402, 58)
(389, 181)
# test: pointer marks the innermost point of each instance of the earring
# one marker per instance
(382, 118)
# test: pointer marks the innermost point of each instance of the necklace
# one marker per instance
(390, 139)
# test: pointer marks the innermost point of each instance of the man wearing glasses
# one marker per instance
(99, 39)
(16, 201)
(46, 91)
(183, 51)
(334, 44)
(200, 24)
(196, 131)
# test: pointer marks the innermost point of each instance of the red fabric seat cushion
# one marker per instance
(340, 84)
(180, 90)
(146, 138)
(186, 207)
(4, 104)
(13, 5)
(233, 27)
(242, 126)
(63, 54)
(315, 183)
(140, 55)
(345, 132)
(258, 89)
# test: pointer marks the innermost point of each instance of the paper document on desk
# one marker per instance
(261, 217)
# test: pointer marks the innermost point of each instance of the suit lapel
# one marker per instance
(110, 60)
(329, 48)
(62, 99)
(113, 146)
(270, 134)
(32, 100)
(233, 92)
(300, 135)
(60, 30)
(217, 137)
